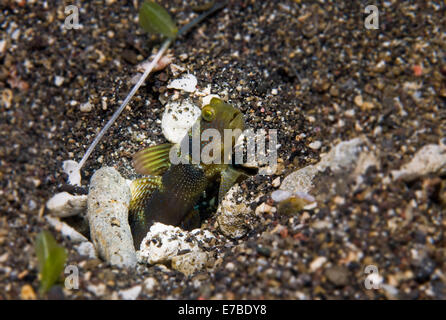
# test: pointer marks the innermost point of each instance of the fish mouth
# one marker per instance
(237, 121)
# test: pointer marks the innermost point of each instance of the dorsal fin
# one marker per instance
(153, 160)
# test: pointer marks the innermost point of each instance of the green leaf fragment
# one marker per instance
(155, 19)
(51, 258)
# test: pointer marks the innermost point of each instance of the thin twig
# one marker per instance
(126, 101)
(201, 17)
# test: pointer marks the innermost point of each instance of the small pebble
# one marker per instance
(338, 275)
(130, 294)
(178, 118)
(65, 205)
(429, 159)
(86, 107)
(150, 284)
(58, 80)
(317, 263)
(276, 182)
(367, 105)
(281, 195)
(97, 290)
(358, 101)
(187, 83)
(71, 168)
(27, 293)
(315, 145)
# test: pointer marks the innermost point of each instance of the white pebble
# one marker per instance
(71, 168)
(187, 83)
(130, 294)
(317, 263)
(150, 284)
(170, 241)
(315, 145)
(58, 80)
(178, 118)
(97, 290)
(280, 195)
(391, 290)
(64, 204)
(173, 246)
(15, 35)
(276, 182)
(230, 266)
(86, 107)
(429, 159)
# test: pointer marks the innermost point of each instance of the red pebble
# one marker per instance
(417, 70)
(284, 233)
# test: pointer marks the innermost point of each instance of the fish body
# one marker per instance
(169, 192)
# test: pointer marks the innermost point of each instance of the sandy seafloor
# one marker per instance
(294, 66)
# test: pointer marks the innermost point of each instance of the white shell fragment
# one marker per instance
(315, 145)
(131, 293)
(165, 244)
(178, 118)
(429, 159)
(317, 263)
(86, 107)
(187, 83)
(281, 195)
(65, 205)
(71, 168)
(108, 202)
(353, 156)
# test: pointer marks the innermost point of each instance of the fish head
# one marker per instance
(220, 115)
(224, 118)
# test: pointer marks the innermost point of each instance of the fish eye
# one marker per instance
(208, 113)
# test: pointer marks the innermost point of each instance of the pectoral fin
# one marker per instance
(153, 160)
(140, 190)
(229, 177)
